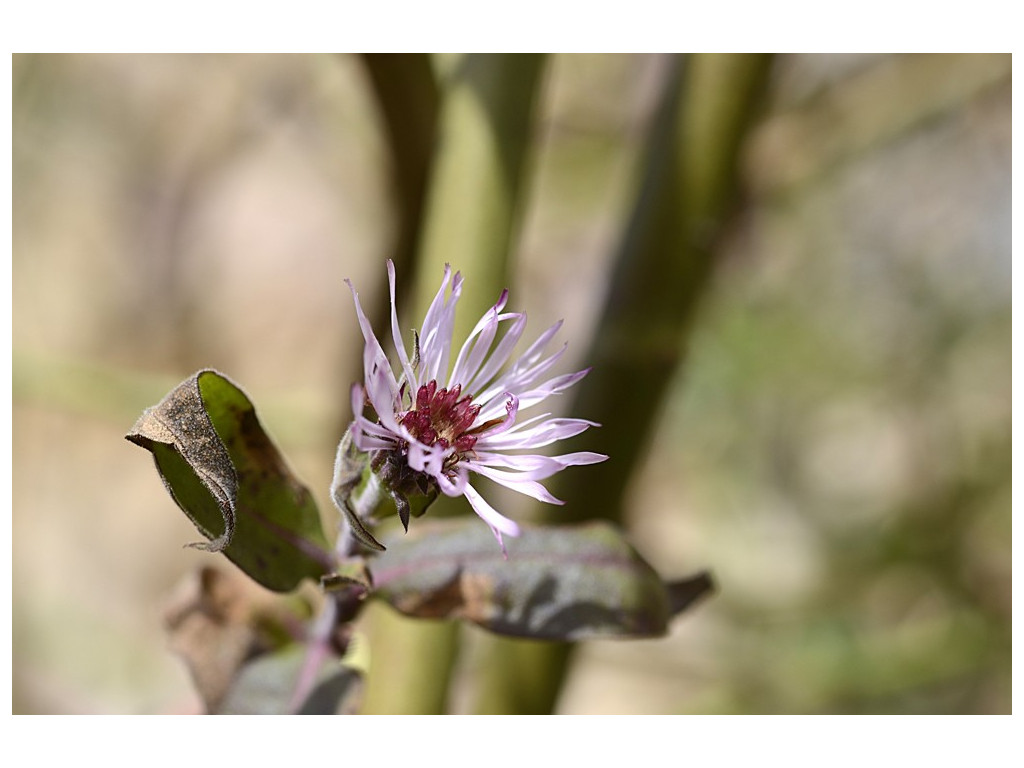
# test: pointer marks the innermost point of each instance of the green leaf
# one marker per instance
(558, 583)
(265, 686)
(224, 472)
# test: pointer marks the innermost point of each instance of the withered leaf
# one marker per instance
(558, 583)
(225, 473)
(209, 624)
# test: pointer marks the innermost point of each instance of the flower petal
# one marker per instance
(366, 442)
(533, 354)
(478, 344)
(429, 459)
(396, 333)
(453, 486)
(475, 348)
(550, 387)
(501, 354)
(511, 409)
(516, 481)
(520, 377)
(543, 434)
(489, 514)
(364, 323)
(438, 325)
(381, 388)
(535, 466)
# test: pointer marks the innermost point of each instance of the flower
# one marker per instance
(435, 431)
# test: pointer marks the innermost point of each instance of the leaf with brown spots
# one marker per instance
(558, 583)
(224, 472)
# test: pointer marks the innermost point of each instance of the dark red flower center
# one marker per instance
(442, 417)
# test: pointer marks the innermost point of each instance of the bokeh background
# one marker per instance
(835, 446)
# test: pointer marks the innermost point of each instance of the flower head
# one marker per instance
(432, 427)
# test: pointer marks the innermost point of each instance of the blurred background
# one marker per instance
(834, 444)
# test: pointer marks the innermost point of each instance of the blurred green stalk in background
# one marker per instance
(470, 222)
(690, 188)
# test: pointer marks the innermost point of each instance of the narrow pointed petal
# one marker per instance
(501, 541)
(516, 481)
(376, 430)
(550, 387)
(427, 459)
(455, 486)
(535, 466)
(501, 353)
(531, 397)
(518, 379)
(357, 398)
(534, 352)
(543, 434)
(434, 339)
(381, 388)
(474, 349)
(432, 318)
(511, 409)
(396, 333)
(489, 514)
(373, 352)
(478, 343)
(436, 357)
(366, 443)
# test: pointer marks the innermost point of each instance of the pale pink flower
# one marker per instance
(445, 424)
